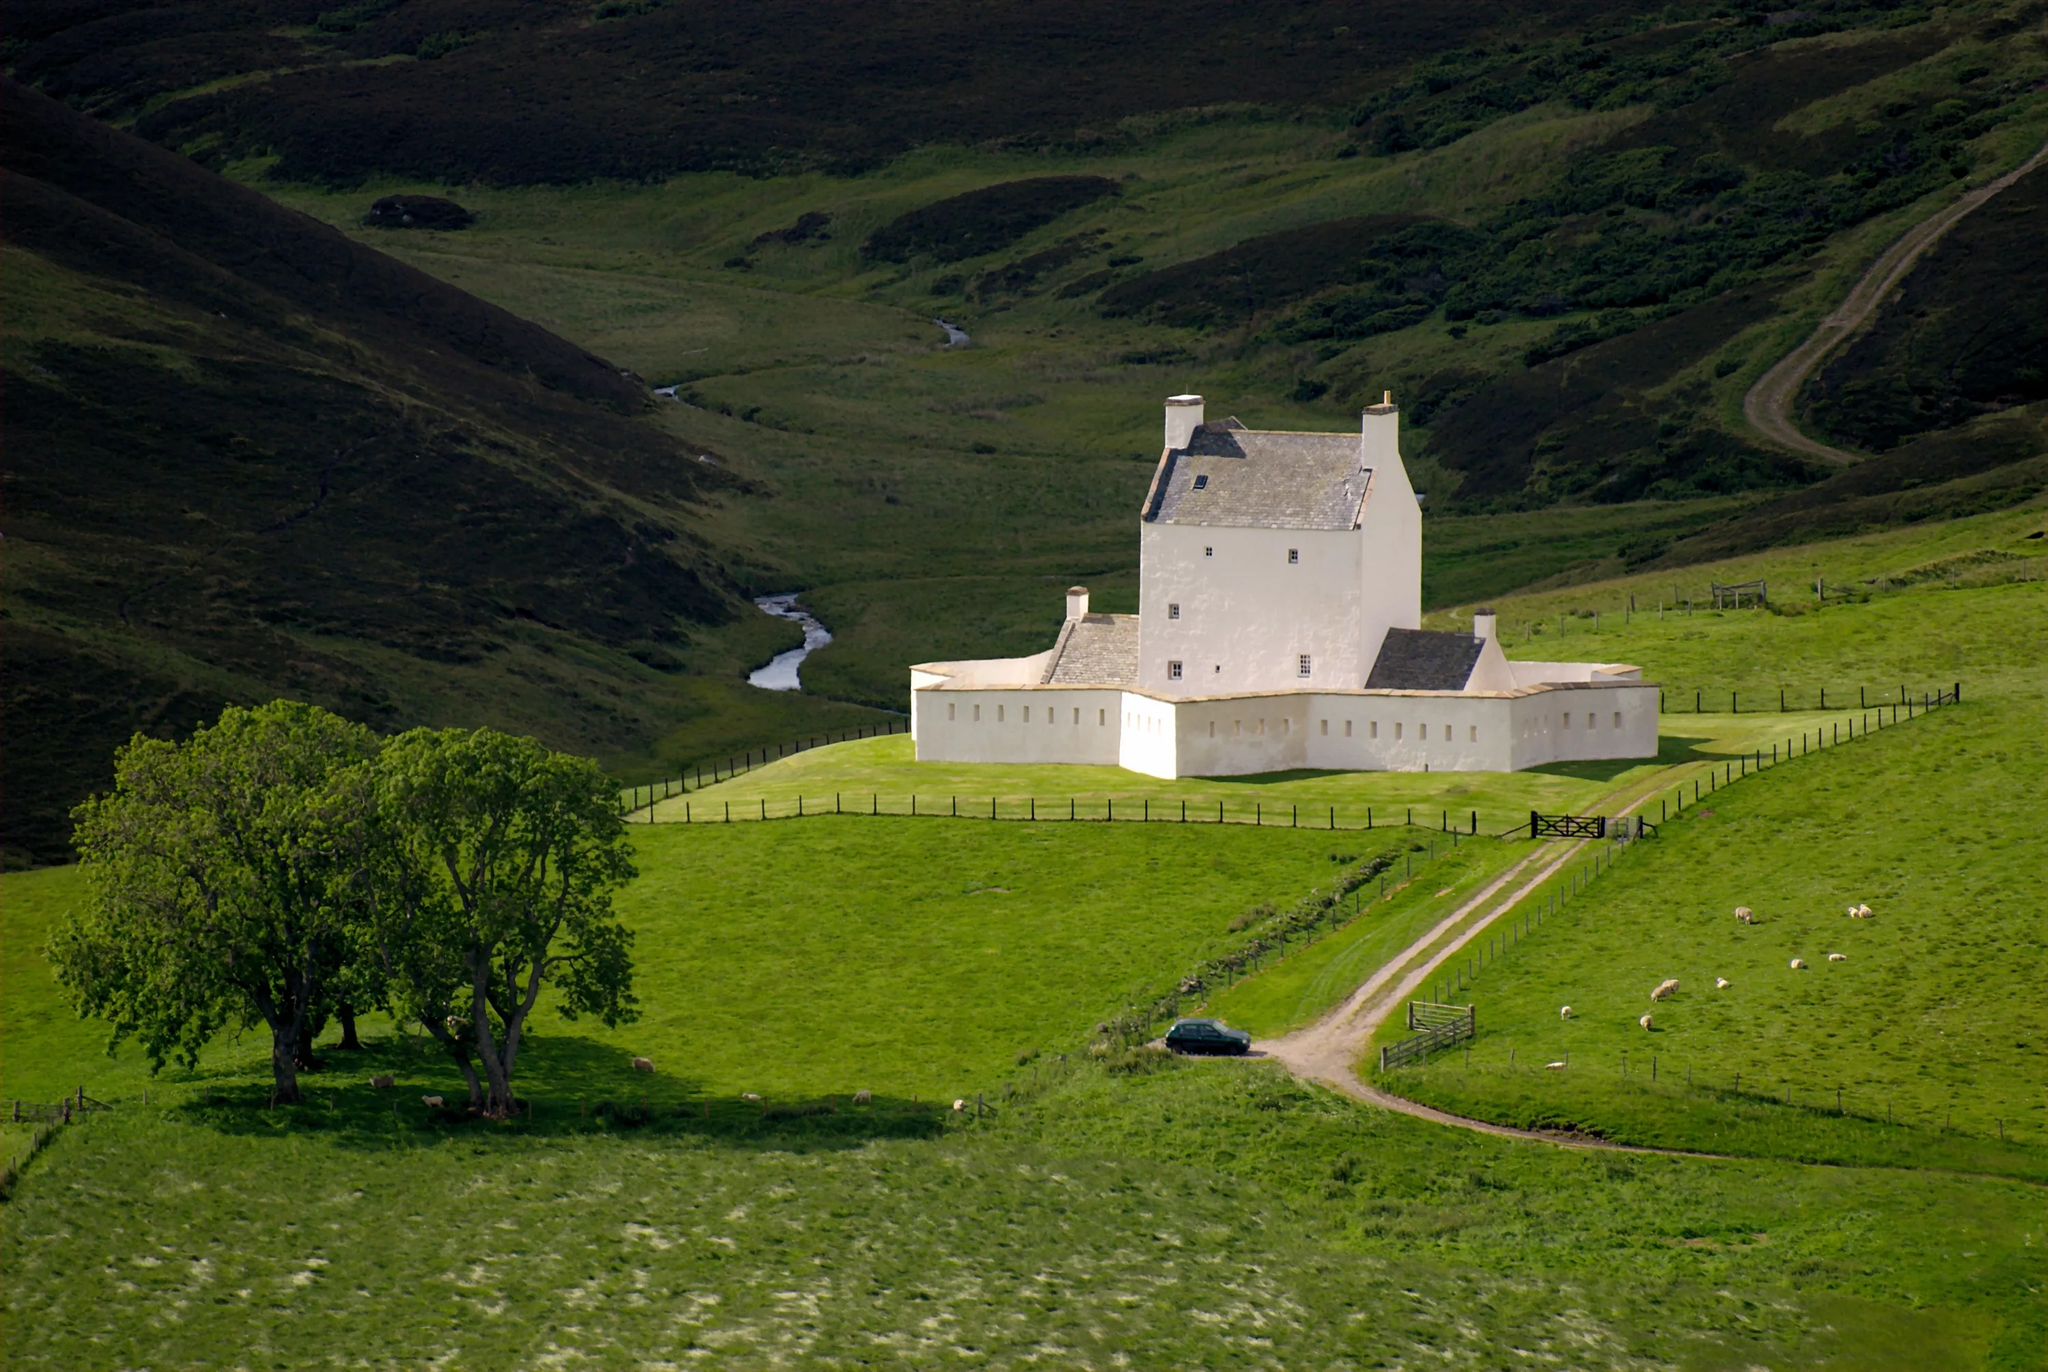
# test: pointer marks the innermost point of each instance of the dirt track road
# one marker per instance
(1768, 406)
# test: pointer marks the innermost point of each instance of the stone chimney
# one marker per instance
(1077, 601)
(1183, 417)
(1483, 622)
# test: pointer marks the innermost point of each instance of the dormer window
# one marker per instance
(1202, 483)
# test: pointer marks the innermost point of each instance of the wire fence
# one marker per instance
(695, 778)
(1458, 824)
(1755, 700)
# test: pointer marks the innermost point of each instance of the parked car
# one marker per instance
(1207, 1036)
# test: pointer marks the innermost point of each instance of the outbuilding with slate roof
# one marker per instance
(1279, 626)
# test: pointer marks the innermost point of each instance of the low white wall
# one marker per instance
(1243, 735)
(1073, 724)
(1597, 722)
(1410, 731)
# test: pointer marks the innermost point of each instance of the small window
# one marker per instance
(977, 714)
(1173, 610)
(1077, 714)
(1347, 728)
(1397, 728)
(1052, 716)
(1617, 719)
(1286, 726)
(1262, 726)
(1236, 727)
(1208, 552)
(1375, 729)
(1325, 729)
(1202, 483)
(999, 714)
(1422, 732)
(950, 709)
(1293, 556)
(1212, 728)
(1475, 735)
(1027, 714)
(1101, 718)
(1303, 665)
(1173, 671)
(1567, 718)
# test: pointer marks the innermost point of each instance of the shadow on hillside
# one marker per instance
(1671, 750)
(574, 1087)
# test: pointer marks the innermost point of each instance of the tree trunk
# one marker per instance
(346, 1013)
(284, 1067)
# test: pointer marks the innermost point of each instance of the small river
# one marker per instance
(780, 673)
(955, 335)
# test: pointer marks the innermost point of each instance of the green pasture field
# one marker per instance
(1206, 1214)
(804, 959)
(1923, 1031)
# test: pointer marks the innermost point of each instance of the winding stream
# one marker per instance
(955, 335)
(780, 673)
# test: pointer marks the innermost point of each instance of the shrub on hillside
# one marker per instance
(983, 221)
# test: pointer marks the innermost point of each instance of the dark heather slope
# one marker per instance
(1965, 334)
(549, 92)
(249, 457)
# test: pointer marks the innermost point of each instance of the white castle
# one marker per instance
(1278, 626)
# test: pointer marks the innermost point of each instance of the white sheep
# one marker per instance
(1855, 912)
(1553, 1067)
(1647, 1023)
(1721, 983)
(1564, 1012)
(959, 1106)
(750, 1095)
(1838, 957)
(863, 1097)
(1799, 964)
(380, 1081)
(1666, 988)
(1863, 912)
(1743, 915)
(643, 1064)
(431, 1102)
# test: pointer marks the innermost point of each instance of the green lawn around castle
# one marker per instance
(1213, 1213)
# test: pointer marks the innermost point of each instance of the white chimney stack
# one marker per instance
(1183, 417)
(1077, 601)
(1483, 622)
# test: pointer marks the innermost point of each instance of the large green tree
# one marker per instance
(224, 880)
(492, 869)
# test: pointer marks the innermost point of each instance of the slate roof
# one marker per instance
(1095, 650)
(1261, 479)
(1424, 660)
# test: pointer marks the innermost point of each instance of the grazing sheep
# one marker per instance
(863, 1097)
(643, 1064)
(1799, 964)
(1855, 912)
(1743, 915)
(1553, 1067)
(432, 1102)
(1721, 983)
(380, 1081)
(959, 1106)
(1564, 1012)
(1665, 988)
(750, 1095)
(1838, 957)
(1647, 1023)
(1863, 912)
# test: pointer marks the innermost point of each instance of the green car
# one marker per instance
(1207, 1036)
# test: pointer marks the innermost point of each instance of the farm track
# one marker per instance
(1768, 405)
